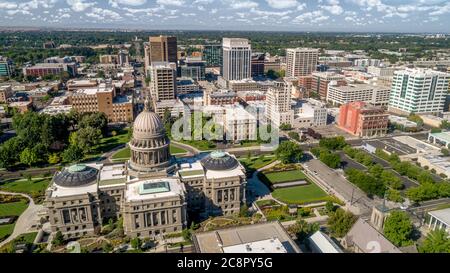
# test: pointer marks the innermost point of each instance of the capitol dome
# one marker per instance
(219, 161)
(150, 144)
(76, 176)
(148, 125)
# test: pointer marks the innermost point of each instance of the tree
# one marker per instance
(285, 127)
(107, 247)
(28, 157)
(72, 154)
(87, 138)
(294, 135)
(97, 120)
(340, 222)
(243, 212)
(445, 152)
(303, 230)
(58, 239)
(289, 152)
(437, 241)
(136, 243)
(333, 143)
(329, 206)
(398, 228)
(330, 159)
(54, 158)
(394, 196)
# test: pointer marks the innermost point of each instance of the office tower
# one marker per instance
(278, 101)
(6, 67)
(212, 54)
(193, 68)
(301, 61)
(237, 54)
(418, 91)
(160, 49)
(258, 60)
(163, 84)
(362, 119)
(123, 58)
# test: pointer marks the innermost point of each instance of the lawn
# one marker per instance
(5, 231)
(300, 194)
(257, 163)
(13, 209)
(202, 145)
(286, 176)
(35, 187)
(122, 154)
(106, 144)
(176, 150)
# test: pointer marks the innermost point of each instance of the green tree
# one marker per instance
(294, 135)
(72, 154)
(394, 196)
(437, 241)
(329, 206)
(97, 120)
(340, 222)
(333, 143)
(285, 127)
(58, 239)
(289, 152)
(445, 152)
(330, 159)
(243, 211)
(136, 243)
(54, 158)
(28, 157)
(303, 230)
(87, 138)
(398, 228)
(107, 247)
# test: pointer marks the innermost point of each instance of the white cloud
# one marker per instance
(177, 3)
(103, 14)
(237, 4)
(116, 3)
(8, 5)
(282, 4)
(79, 5)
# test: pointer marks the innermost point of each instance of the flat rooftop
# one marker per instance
(264, 246)
(235, 239)
(154, 189)
(112, 175)
(444, 136)
(442, 215)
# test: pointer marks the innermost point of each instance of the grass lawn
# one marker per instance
(177, 150)
(300, 194)
(106, 144)
(34, 187)
(13, 209)
(256, 163)
(202, 145)
(279, 177)
(5, 231)
(122, 154)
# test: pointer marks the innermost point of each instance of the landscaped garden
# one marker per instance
(282, 173)
(254, 163)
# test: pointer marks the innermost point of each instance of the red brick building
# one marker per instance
(362, 119)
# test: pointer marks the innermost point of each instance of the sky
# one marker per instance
(271, 15)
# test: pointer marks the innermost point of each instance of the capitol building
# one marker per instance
(153, 192)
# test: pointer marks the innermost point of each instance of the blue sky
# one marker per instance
(286, 15)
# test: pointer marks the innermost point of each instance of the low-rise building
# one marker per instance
(5, 93)
(364, 238)
(269, 237)
(319, 242)
(439, 219)
(435, 162)
(187, 86)
(363, 120)
(103, 98)
(219, 97)
(321, 80)
(21, 106)
(310, 113)
(43, 69)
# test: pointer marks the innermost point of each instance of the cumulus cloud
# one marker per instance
(282, 4)
(79, 5)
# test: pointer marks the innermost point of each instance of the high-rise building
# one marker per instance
(163, 85)
(123, 57)
(6, 67)
(278, 104)
(212, 54)
(193, 68)
(258, 60)
(161, 49)
(363, 120)
(237, 55)
(301, 61)
(418, 91)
